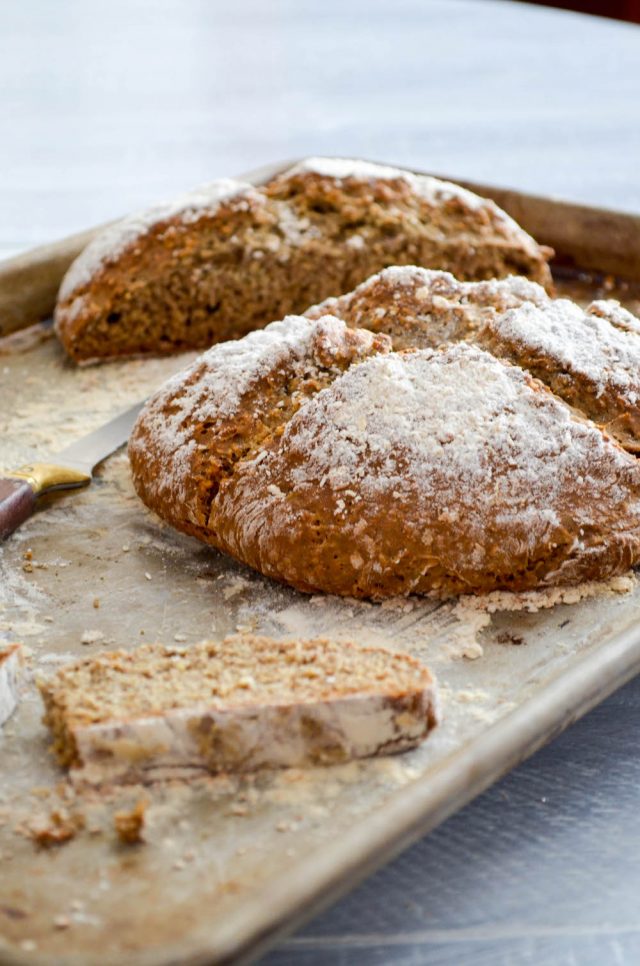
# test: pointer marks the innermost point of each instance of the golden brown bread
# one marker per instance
(426, 471)
(230, 257)
(589, 357)
(235, 705)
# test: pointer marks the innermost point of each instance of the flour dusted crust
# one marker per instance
(238, 705)
(229, 406)
(422, 308)
(435, 472)
(230, 257)
(426, 471)
(10, 672)
(589, 357)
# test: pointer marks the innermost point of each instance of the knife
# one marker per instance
(72, 468)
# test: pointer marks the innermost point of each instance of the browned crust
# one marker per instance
(418, 310)
(184, 496)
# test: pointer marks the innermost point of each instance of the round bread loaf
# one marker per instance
(230, 257)
(316, 455)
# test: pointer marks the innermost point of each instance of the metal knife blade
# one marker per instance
(71, 468)
(86, 453)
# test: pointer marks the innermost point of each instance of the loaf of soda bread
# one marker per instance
(10, 672)
(244, 703)
(589, 357)
(318, 456)
(230, 257)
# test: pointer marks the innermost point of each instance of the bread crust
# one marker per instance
(231, 258)
(428, 471)
(588, 357)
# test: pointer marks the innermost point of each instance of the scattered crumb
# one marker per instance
(54, 829)
(129, 825)
(62, 922)
(179, 638)
(126, 548)
(28, 554)
(147, 575)
(96, 602)
(471, 695)
(238, 809)
(92, 637)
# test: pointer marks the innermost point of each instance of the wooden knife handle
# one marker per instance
(17, 502)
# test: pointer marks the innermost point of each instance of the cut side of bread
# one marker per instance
(244, 703)
(589, 357)
(10, 673)
(230, 257)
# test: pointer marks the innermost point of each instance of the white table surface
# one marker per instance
(107, 105)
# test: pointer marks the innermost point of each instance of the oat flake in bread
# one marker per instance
(589, 357)
(237, 705)
(339, 466)
(229, 257)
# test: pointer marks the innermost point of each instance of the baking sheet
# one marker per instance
(229, 863)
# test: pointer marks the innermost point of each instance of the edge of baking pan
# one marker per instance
(329, 872)
(596, 239)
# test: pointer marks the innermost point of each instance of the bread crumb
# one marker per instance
(129, 825)
(96, 602)
(55, 829)
(238, 809)
(91, 637)
(62, 922)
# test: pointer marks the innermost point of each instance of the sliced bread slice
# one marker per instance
(237, 705)
(10, 667)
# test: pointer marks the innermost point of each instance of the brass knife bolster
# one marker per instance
(42, 477)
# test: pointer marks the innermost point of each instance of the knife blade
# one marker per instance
(73, 467)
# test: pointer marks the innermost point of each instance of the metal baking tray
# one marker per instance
(230, 864)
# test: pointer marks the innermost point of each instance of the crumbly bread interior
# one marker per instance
(259, 254)
(240, 671)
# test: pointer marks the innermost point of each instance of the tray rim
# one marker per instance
(329, 871)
